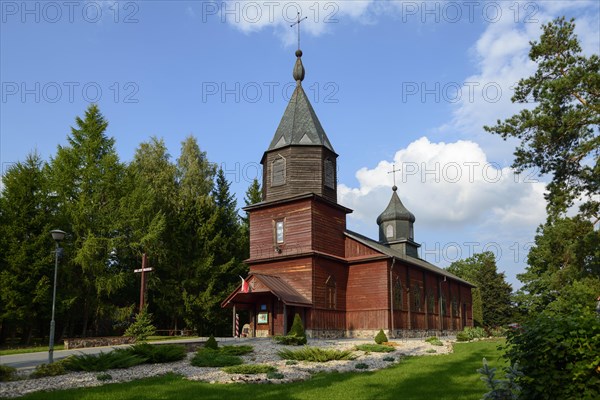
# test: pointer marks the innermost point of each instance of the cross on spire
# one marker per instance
(298, 23)
(393, 171)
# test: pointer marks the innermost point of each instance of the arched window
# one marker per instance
(278, 172)
(416, 297)
(329, 173)
(331, 292)
(430, 303)
(398, 295)
(389, 231)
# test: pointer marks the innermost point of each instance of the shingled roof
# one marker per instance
(299, 124)
(388, 251)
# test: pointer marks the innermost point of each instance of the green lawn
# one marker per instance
(22, 350)
(451, 377)
(7, 352)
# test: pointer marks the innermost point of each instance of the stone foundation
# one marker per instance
(79, 343)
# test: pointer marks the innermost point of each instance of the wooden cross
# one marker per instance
(143, 271)
(393, 171)
(298, 23)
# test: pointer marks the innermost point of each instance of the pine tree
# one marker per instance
(88, 180)
(26, 259)
(559, 136)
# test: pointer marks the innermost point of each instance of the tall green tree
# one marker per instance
(559, 135)
(253, 196)
(563, 272)
(148, 221)
(26, 259)
(87, 178)
(495, 292)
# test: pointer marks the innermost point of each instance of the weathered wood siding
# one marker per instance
(297, 217)
(296, 272)
(304, 167)
(329, 224)
(367, 297)
(357, 249)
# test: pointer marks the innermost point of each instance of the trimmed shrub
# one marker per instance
(297, 328)
(214, 358)
(142, 327)
(315, 354)
(7, 373)
(389, 359)
(558, 355)
(104, 377)
(434, 341)
(250, 369)
(116, 359)
(211, 343)
(462, 336)
(376, 348)
(53, 369)
(274, 375)
(155, 354)
(236, 350)
(381, 337)
(361, 366)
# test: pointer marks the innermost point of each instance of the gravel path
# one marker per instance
(265, 352)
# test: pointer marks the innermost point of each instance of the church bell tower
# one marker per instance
(300, 158)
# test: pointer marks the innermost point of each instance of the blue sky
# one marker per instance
(405, 83)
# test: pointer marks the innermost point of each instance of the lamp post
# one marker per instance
(58, 236)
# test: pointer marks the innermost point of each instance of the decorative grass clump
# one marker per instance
(7, 373)
(236, 350)
(155, 354)
(315, 354)
(434, 341)
(53, 369)
(381, 337)
(214, 358)
(375, 348)
(250, 369)
(116, 359)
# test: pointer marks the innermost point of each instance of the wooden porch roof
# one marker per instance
(273, 284)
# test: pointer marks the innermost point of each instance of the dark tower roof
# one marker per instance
(395, 210)
(299, 124)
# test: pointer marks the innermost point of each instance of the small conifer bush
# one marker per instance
(142, 327)
(214, 358)
(250, 369)
(211, 343)
(296, 336)
(376, 348)
(236, 350)
(381, 337)
(361, 366)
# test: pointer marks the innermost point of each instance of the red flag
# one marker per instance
(245, 287)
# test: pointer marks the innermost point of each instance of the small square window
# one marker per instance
(279, 232)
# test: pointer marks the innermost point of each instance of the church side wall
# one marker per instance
(328, 314)
(367, 297)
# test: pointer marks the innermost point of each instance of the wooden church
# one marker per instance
(304, 261)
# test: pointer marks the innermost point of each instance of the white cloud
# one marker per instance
(321, 15)
(502, 57)
(448, 184)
